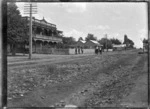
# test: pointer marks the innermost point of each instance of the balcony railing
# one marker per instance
(51, 38)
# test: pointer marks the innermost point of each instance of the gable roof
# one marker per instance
(121, 45)
(44, 20)
(83, 41)
(96, 42)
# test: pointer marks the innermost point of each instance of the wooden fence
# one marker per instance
(51, 51)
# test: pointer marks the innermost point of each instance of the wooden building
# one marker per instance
(92, 44)
(119, 47)
(80, 43)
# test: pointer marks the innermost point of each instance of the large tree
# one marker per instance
(16, 27)
(125, 39)
(115, 41)
(67, 41)
(145, 41)
(107, 44)
(90, 37)
(129, 43)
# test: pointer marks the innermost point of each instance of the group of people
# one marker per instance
(79, 50)
(98, 49)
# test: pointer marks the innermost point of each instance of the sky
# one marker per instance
(98, 18)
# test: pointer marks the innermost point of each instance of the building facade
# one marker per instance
(44, 34)
(119, 47)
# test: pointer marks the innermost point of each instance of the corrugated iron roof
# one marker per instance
(83, 41)
(96, 42)
(121, 45)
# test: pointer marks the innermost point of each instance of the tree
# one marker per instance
(145, 41)
(129, 43)
(80, 38)
(106, 43)
(67, 41)
(115, 41)
(90, 37)
(125, 39)
(16, 27)
(145, 44)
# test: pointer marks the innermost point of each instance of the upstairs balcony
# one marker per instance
(46, 38)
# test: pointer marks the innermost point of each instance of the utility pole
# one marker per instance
(106, 43)
(30, 31)
(30, 9)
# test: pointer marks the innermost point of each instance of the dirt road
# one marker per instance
(108, 80)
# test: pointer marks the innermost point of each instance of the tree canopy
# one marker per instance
(128, 42)
(115, 41)
(67, 41)
(90, 37)
(106, 43)
(145, 41)
(16, 28)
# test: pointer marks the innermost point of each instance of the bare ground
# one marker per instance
(108, 80)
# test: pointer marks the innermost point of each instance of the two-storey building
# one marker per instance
(44, 34)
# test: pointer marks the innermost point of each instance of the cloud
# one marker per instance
(143, 33)
(75, 34)
(39, 15)
(73, 7)
(99, 27)
(113, 35)
(103, 27)
(20, 7)
(76, 7)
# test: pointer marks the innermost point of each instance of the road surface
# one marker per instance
(113, 79)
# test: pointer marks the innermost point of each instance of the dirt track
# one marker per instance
(107, 80)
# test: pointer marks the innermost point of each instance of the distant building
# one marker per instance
(80, 43)
(119, 47)
(92, 44)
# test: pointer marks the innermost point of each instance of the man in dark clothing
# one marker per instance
(100, 50)
(96, 50)
(82, 50)
(76, 50)
(79, 49)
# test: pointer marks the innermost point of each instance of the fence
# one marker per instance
(85, 51)
(52, 51)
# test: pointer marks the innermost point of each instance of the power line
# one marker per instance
(30, 8)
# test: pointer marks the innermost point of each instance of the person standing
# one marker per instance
(96, 50)
(82, 50)
(79, 49)
(75, 50)
(100, 50)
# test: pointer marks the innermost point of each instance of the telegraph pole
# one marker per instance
(106, 43)
(30, 9)
(148, 13)
(30, 31)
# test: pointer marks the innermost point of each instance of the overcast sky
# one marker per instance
(113, 19)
